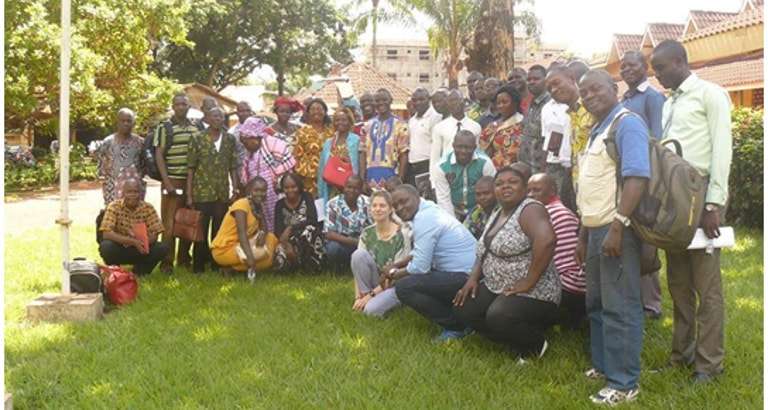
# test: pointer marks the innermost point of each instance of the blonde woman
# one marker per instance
(380, 245)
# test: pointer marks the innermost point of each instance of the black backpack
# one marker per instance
(148, 151)
(85, 277)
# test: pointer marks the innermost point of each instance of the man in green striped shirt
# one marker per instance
(172, 164)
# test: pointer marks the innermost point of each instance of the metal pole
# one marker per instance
(64, 144)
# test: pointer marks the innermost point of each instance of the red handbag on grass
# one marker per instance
(121, 285)
(337, 170)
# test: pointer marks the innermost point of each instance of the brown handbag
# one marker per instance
(186, 224)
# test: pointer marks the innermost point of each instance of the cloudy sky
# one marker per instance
(586, 26)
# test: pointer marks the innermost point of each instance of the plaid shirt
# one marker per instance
(119, 219)
(344, 221)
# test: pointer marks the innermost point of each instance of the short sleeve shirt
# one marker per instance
(211, 166)
(120, 219)
(343, 220)
(176, 157)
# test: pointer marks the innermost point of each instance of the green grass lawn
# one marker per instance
(294, 342)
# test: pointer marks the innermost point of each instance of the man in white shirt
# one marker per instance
(244, 112)
(556, 131)
(420, 127)
(444, 131)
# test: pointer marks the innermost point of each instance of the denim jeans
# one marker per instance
(431, 295)
(615, 309)
(338, 256)
(114, 253)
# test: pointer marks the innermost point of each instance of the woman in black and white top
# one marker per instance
(513, 291)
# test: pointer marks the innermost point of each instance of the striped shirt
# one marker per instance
(566, 226)
(176, 158)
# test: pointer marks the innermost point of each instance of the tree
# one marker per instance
(492, 45)
(111, 41)
(393, 11)
(452, 22)
(231, 38)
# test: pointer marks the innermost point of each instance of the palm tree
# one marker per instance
(452, 23)
(391, 11)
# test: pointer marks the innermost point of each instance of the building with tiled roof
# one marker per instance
(363, 78)
(723, 47)
(701, 19)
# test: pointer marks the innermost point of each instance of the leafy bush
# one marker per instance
(45, 172)
(746, 181)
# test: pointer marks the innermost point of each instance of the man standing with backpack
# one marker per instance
(608, 246)
(697, 114)
(171, 141)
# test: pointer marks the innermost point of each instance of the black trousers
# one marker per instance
(573, 310)
(516, 321)
(431, 295)
(213, 214)
(114, 253)
(416, 168)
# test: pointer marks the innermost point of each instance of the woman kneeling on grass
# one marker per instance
(380, 245)
(244, 227)
(512, 294)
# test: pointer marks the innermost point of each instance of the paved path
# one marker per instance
(40, 209)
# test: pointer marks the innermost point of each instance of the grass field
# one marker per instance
(294, 342)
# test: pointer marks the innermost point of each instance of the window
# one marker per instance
(423, 54)
(392, 76)
(391, 54)
(423, 78)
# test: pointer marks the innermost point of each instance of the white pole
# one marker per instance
(64, 144)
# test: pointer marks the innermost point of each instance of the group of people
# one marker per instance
(530, 223)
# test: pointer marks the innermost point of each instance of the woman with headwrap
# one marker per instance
(309, 143)
(267, 157)
(284, 128)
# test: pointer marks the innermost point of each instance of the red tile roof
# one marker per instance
(744, 19)
(364, 78)
(706, 18)
(664, 31)
(734, 75)
(626, 42)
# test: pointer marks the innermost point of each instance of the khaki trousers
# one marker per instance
(168, 206)
(695, 283)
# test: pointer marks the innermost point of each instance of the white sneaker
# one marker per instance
(611, 397)
(594, 374)
(522, 362)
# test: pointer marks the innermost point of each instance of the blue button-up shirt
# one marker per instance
(440, 242)
(646, 102)
(631, 143)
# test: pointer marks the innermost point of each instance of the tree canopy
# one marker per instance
(111, 43)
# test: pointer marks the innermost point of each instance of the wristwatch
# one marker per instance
(623, 219)
(711, 207)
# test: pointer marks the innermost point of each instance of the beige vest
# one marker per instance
(596, 197)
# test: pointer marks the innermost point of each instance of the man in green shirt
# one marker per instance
(697, 114)
(212, 158)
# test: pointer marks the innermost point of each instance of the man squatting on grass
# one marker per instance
(420, 255)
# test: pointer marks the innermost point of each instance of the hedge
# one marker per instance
(45, 173)
(745, 206)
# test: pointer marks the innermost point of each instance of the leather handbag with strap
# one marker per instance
(187, 224)
(337, 170)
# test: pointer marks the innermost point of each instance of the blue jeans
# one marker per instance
(431, 295)
(338, 256)
(615, 309)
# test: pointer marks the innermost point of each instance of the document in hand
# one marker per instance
(727, 239)
(140, 232)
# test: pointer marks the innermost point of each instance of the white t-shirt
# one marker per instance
(554, 118)
(420, 129)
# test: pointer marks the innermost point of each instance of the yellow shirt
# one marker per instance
(581, 123)
(227, 235)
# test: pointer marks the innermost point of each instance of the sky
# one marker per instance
(586, 26)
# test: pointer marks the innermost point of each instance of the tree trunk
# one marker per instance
(280, 66)
(374, 24)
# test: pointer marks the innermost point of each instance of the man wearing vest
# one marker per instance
(697, 114)
(172, 164)
(607, 245)
(458, 173)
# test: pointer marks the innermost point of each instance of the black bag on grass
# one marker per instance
(85, 277)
